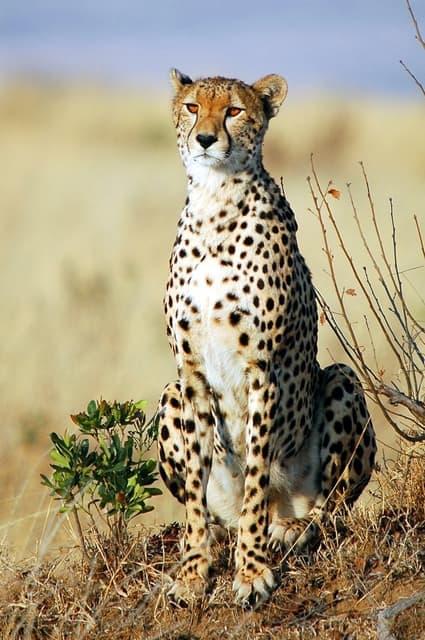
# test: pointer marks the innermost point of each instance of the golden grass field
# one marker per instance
(90, 191)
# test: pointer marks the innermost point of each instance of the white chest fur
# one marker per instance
(214, 295)
(213, 341)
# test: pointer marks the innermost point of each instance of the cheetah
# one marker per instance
(254, 436)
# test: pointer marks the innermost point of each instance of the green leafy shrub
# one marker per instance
(103, 467)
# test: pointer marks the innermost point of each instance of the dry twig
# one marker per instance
(402, 332)
(418, 36)
(421, 41)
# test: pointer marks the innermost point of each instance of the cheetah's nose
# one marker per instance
(205, 140)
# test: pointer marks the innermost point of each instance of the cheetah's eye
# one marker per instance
(233, 111)
(193, 108)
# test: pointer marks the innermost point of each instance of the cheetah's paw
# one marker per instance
(185, 592)
(291, 533)
(191, 581)
(253, 586)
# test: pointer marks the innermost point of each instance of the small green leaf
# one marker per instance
(92, 409)
(45, 480)
(150, 465)
(59, 459)
(154, 491)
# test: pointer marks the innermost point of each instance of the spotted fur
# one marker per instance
(254, 435)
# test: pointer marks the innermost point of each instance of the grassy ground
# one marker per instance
(366, 561)
(90, 192)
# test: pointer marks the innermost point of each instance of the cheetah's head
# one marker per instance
(221, 122)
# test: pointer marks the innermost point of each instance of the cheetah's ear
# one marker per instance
(179, 79)
(272, 89)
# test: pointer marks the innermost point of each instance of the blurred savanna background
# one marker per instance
(91, 187)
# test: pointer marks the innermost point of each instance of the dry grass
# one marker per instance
(366, 561)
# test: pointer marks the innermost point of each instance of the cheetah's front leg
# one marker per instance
(198, 434)
(254, 580)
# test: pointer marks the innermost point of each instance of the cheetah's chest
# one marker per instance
(214, 340)
(215, 299)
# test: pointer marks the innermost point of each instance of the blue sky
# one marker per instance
(318, 45)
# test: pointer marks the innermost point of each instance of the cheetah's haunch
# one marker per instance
(254, 435)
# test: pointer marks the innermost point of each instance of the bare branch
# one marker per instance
(404, 342)
(416, 407)
(382, 248)
(410, 342)
(381, 311)
(420, 235)
(415, 22)
(372, 343)
(412, 75)
(357, 277)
